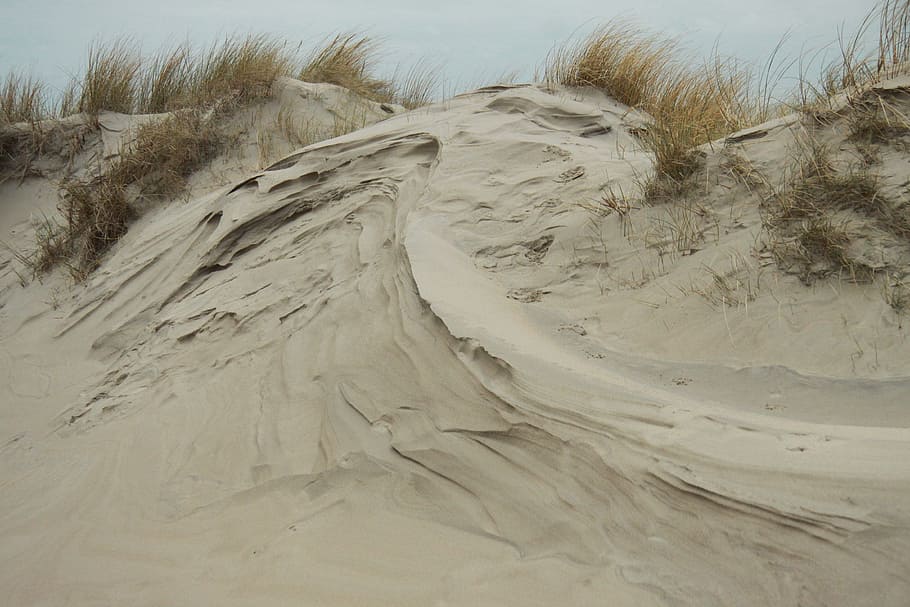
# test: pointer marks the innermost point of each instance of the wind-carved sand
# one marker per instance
(407, 367)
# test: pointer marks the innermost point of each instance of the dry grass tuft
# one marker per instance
(53, 247)
(416, 87)
(863, 60)
(822, 244)
(21, 99)
(116, 77)
(166, 83)
(803, 215)
(347, 60)
(873, 118)
(23, 104)
(165, 153)
(689, 106)
(818, 187)
(97, 214)
(110, 77)
(97, 211)
(242, 69)
(622, 60)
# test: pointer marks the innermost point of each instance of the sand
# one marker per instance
(407, 366)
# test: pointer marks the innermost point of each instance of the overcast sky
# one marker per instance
(474, 40)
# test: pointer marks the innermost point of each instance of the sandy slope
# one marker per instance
(406, 367)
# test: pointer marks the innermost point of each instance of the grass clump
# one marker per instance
(688, 106)
(822, 245)
(416, 86)
(166, 82)
(155, 166)
(241, 69)
(166, 152)
(863, 59)
(236, 70)
(809, 217)
(97, 214)
(22, 103)
(873, 118)
(118, 79)
(818, 187)
(21, 99)
(346, 60)
(110, 78)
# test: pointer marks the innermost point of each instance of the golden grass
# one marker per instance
(165, 153)
(241, 69)
(97, 211)
(235, 69)
(22, 99)
(416, 86)
(347, 60)
(117, 78)
(864, 58)
(166, 81)
(689, 106)
(109, 80)
(97, 214)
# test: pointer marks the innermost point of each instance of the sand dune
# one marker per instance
(406, 366)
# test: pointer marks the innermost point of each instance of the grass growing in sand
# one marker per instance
(22, 99)
(815, 218)
(198, 89)
(348, 59)
(811, 217)
(155, 167)
(688, 105)
(117, 78)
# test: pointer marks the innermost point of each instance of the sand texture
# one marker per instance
(407, 366)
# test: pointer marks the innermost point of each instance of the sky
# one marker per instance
(473, 41)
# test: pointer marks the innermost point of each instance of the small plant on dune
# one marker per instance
(53, 247)
(622, 60)
(166, 152)
(416, 87)
(346, 60)
(820, 240)
(688, 106)
(818, 187)
(237, 69)
(68, 100)
(897, 295)
(862, 61)
(155, 166)
(873, 118)
(166, 82)
(21, 99)
(97, 214)
(241, 69)
(803, 215)
(109, 82)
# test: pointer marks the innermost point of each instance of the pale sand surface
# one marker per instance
(407, 367)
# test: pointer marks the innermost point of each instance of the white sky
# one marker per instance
(474, 40)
